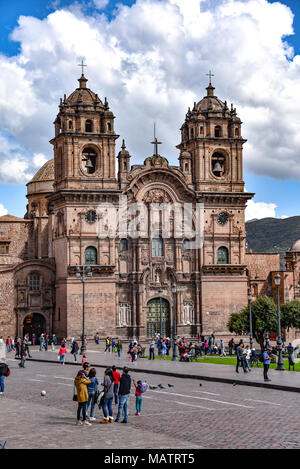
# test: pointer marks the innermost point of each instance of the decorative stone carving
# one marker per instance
(188, 313)
(124, 314)
(157, 196)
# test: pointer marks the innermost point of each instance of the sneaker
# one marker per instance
(85, 422)
(124, 421)
(92, 419)
(104, 420)
(110, 419)
(117, 421)
(79, 422)
(136, 413)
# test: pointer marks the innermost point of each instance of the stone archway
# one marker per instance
(153, 317)
(34, 323)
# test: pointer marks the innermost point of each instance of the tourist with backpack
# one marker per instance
(140, 388)
(4, 372)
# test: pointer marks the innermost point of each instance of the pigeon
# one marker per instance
(200, 384)
(161, 386)
(234, 384)
(171, 385)
(152, 387)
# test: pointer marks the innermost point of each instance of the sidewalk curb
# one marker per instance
(278, 387)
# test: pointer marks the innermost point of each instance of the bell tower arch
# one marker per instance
(84, 142)
(211, 134)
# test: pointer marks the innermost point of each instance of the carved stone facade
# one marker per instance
(68, 224)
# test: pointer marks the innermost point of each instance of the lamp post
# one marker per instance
(83, 273)
(250, 318)
(280, 366)
(175, 356)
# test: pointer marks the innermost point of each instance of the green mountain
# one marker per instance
(273, 235)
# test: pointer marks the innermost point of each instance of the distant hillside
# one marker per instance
(273, 235)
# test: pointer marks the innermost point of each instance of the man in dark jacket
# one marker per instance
(124, 394)
(4, 372)
(240, 357)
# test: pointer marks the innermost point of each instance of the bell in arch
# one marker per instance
(89, 164)
(218, 168)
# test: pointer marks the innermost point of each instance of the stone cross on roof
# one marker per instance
(209, 74)
(82, 65)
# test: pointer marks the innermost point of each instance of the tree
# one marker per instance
(290, 315)
(264, 318)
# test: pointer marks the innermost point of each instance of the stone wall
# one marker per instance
(7, 315)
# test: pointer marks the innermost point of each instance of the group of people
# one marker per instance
(111, 345)
(115, 387)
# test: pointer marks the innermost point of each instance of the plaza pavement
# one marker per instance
(185, 416)
(280, 380)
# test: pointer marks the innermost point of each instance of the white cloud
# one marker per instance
(101, 4)
(258, 210)
(3, 210)
(39, 160)
(151, 61)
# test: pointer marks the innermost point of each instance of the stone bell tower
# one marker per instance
(211, 158)
(84, 181)
(84, 142)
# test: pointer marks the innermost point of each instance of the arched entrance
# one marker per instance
(153, 317)
(34, 323)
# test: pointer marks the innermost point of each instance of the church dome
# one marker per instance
(296, 246)
(43, 179)
(82, 95)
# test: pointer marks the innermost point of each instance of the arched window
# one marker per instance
(218, 131)
(157, 247)
(89, 157)
(192, 133)
(223, 256)
(109, 126)
(123, 245)
(34, 282)
(90, 256)
(186, 245)
(186, 167)
(70, 125)
(201, 130)
(88, 126)
(218, 164)
(237, 133)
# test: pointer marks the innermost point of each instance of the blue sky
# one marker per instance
(280, 187)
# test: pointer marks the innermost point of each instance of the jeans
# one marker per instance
(152, 354)
(119, 353)
(116, 386)
(75, 356)
(92, 401)
(41, 346)
(2, 378)
(8, 347)
(266, 369)
(62, 359)
(138, 403)
(107, 404)
(123, 402)
(81, 408)
(238, 361)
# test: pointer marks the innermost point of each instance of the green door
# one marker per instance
(153, 317)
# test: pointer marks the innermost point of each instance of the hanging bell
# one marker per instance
(89, 164)
(218, 168)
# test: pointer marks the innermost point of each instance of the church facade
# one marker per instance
(138, 283)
